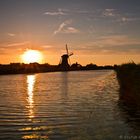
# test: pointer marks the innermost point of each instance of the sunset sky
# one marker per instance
(97, 31)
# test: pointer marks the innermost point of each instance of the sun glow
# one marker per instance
(31, 56)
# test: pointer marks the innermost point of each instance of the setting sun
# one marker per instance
(31, 56)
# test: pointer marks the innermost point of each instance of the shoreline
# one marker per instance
(55, 71)
(18, 68)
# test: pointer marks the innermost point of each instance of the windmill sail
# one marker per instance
(67, 50)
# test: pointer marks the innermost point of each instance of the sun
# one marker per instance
(31, 56)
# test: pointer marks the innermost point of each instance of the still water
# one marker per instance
(65, 106)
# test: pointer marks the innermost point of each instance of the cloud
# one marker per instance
(11, 34)
(12, 47)
(46, 46)
(65, 28)
(61, 26)
(117, 16)
(117, 40)
(128, 19)
(109, 13)
(71, 30)
(67, 12)
(18, 44)
(115, 44)
(55, 13)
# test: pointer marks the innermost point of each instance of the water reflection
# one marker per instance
(30, 87)
(64, 86)
(68, 106)
(131, 115)
(65, 83)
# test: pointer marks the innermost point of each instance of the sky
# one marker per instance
(103, 32)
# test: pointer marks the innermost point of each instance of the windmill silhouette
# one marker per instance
(65, 60)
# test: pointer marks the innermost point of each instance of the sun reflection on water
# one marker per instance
(30, 87)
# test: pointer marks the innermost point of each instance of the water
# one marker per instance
(65, 106)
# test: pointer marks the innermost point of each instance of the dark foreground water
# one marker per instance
(65, 106)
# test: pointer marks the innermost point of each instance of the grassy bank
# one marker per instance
(129, 79)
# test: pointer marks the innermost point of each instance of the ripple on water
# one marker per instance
(72, 105)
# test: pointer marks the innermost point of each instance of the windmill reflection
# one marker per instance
(64, 85)
(30, 87)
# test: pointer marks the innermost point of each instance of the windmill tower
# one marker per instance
(65, 60)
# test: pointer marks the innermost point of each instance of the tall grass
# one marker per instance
(129, 79)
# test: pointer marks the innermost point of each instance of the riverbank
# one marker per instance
(21, 68)
(128, 76)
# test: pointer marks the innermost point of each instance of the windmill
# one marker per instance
(65, 60)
